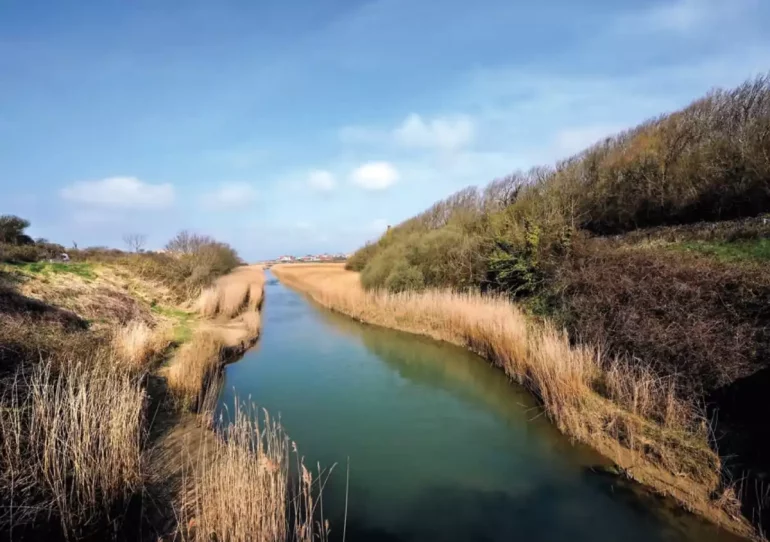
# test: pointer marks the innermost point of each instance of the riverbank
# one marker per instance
(108, 381)
(632, 418)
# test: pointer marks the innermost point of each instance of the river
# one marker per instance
(441, 445)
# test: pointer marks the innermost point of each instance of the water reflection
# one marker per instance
(442, 446)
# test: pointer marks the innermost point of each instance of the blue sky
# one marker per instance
(308, 126)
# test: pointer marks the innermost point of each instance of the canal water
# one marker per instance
(441, 445)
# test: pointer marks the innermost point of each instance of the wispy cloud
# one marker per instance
(375, 175)
(234, 195)
(120, 192)
(443, 133)
(321, 180)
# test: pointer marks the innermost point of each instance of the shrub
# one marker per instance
(361, 257)
(404, 277)
(20, 253)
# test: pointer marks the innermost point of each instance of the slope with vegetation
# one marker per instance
(109, 366)
(650, 247)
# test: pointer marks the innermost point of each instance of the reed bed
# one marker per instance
(137, 345)
(624, 411)
(71, 435)
(232, 294)
(195, 367)
(242, 490)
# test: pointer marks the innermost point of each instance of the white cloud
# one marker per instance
(443, 133)
(230, 196)
(375, 175)
(120, 192)
(321, 180)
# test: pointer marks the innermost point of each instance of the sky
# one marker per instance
(294, 127)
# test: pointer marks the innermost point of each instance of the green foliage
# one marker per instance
(404, 277)
(755, 249)
(81, 269)
(377, 271)
(182, 321)
(361, 257)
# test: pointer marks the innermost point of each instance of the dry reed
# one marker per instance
(252, 321)
(232, 294)
(71, 438)
(240, 490)
(208, 302)
(136, 345)
(624, 411)
(194, 369)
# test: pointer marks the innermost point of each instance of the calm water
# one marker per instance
(441, 445)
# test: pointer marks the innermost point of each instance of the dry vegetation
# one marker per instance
(233, 293)
(244, 492)
(628, 413)
(137, 345)
(72, 433)
(81, 345)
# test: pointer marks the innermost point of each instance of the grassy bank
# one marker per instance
(109, 367)
(633, 417)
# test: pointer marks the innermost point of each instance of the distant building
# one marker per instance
(286, 259)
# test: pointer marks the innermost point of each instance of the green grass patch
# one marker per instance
(751, 250)
(81, 269)
(182, 321)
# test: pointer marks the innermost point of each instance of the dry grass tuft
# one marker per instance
(137, 345)
(208, 302)
(70, 442)
(195, 368)
(252, 321)
(241, 489)
(624, 411)
(232, 294)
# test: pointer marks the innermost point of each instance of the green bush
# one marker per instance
(361, 257)
(377, 271)
(404, 277)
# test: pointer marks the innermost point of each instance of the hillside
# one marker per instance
(652, 246)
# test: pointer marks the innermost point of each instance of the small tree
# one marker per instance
(135, 241)
(12, 230)
(186, 242)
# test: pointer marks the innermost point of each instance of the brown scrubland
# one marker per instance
(110, 368)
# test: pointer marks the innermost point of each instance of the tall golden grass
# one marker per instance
(137, 344)
(233, 293)
(625, 412)
(241, 489)
(71, 435)
(194, 368)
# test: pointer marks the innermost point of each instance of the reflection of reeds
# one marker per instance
(606, 403)
(240, 490)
